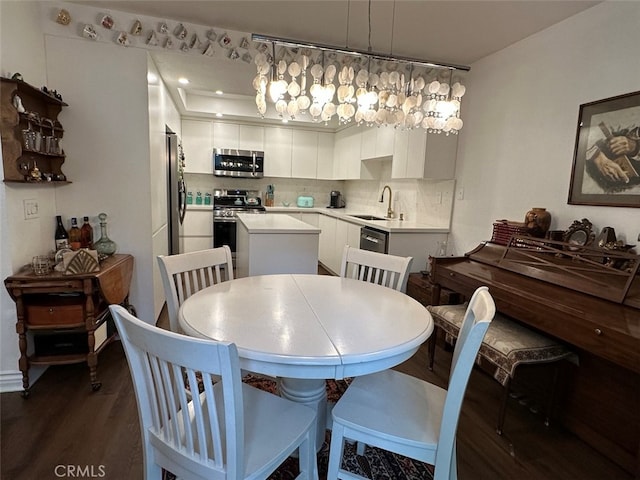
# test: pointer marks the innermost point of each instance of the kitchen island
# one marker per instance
(269, 244)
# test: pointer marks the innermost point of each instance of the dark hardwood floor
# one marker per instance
(64, 430)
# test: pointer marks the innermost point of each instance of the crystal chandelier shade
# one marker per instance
(360, 87)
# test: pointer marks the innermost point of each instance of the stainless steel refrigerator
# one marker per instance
(176, 190)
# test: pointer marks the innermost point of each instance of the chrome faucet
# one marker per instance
(389, 211)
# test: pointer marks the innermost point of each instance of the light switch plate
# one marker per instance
(30, 208)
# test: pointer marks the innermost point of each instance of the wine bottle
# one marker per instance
(61, 235)
(86, 234)
(74, 235)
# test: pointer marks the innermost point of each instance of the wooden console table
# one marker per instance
(68, 315)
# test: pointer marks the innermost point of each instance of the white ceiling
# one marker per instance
(448, 31)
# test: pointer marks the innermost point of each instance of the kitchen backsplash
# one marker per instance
(424, 201)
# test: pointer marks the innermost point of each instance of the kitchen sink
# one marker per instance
(368, 217)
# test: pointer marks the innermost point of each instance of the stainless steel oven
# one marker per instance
(374, 240)
(226, 204)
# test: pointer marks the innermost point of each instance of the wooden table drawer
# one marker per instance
(55, 314)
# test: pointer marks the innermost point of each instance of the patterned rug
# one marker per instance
(375, 464)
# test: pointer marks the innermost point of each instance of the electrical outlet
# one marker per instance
(460, 194)
(30, 209)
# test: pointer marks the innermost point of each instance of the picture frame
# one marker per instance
(606, 161)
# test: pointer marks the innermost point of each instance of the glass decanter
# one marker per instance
(105, 246)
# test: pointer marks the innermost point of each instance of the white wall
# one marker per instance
(20, 239)
(162, 113)
(516, 148)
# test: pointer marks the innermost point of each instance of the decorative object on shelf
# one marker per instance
(163, 28)
(63, 17)
(107, 21)
(89, 32)
(180, 32)
(606, 162)
(34, 174)
(136, 28)
(372, 88)
(537, 221)
(80, 261)
(579, 233)
(17, 102)
(17, 76)
(104, 246)
(41, 264)
(123, 39)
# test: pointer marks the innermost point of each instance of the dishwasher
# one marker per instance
(374, 240)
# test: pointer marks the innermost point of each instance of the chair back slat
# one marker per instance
(188, 273)
(189, 425)
(383, 269)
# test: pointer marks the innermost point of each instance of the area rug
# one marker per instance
(375, 464)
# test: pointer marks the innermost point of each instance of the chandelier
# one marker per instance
(366, 88)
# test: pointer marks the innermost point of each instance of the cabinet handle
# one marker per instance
(598, 331)
(51, 311)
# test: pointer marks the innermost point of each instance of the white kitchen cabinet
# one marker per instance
(326, 250)
(376, 142)
(278, 143)
(347, 233)
(347, 154)
(236, 136)
(226, 135)
(197, 230)
(324, 170)
(310, 218)
(418, 154)
(197, 146)
(304, 154)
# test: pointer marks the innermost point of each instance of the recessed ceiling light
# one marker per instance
(152, 77)
(183, 81)
(219, 92)
(218, 114)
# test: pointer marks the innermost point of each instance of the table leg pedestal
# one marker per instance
(310, 392)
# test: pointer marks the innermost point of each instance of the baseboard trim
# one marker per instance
(11, 380)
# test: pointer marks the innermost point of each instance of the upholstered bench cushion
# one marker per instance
(506, 344)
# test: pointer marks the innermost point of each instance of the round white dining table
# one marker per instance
(308, 328)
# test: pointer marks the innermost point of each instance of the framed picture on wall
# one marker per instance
(606, 161)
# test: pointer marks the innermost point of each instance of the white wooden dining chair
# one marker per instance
(230, 431)
(187, 273)
(406, 415)
(388, 270)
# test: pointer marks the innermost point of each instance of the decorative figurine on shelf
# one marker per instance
(105, 246)
(537, 221)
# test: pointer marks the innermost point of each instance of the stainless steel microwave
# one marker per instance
(229, 162)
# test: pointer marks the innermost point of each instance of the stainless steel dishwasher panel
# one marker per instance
(374, 240)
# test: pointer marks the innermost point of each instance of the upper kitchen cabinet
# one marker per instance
(304, 155)
(238, 137)
(376, 142)
(197, 145)
(346, 154)
(278, 151)
(417, 154)
(324, 169)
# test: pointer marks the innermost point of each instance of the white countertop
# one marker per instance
(392, 226)
(265, 223)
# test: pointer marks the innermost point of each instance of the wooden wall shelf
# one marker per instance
(41, 118)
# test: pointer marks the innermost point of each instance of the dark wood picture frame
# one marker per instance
(597, 176)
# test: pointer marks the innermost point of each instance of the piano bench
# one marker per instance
(506, 345)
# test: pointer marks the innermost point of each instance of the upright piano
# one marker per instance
(587, 297)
